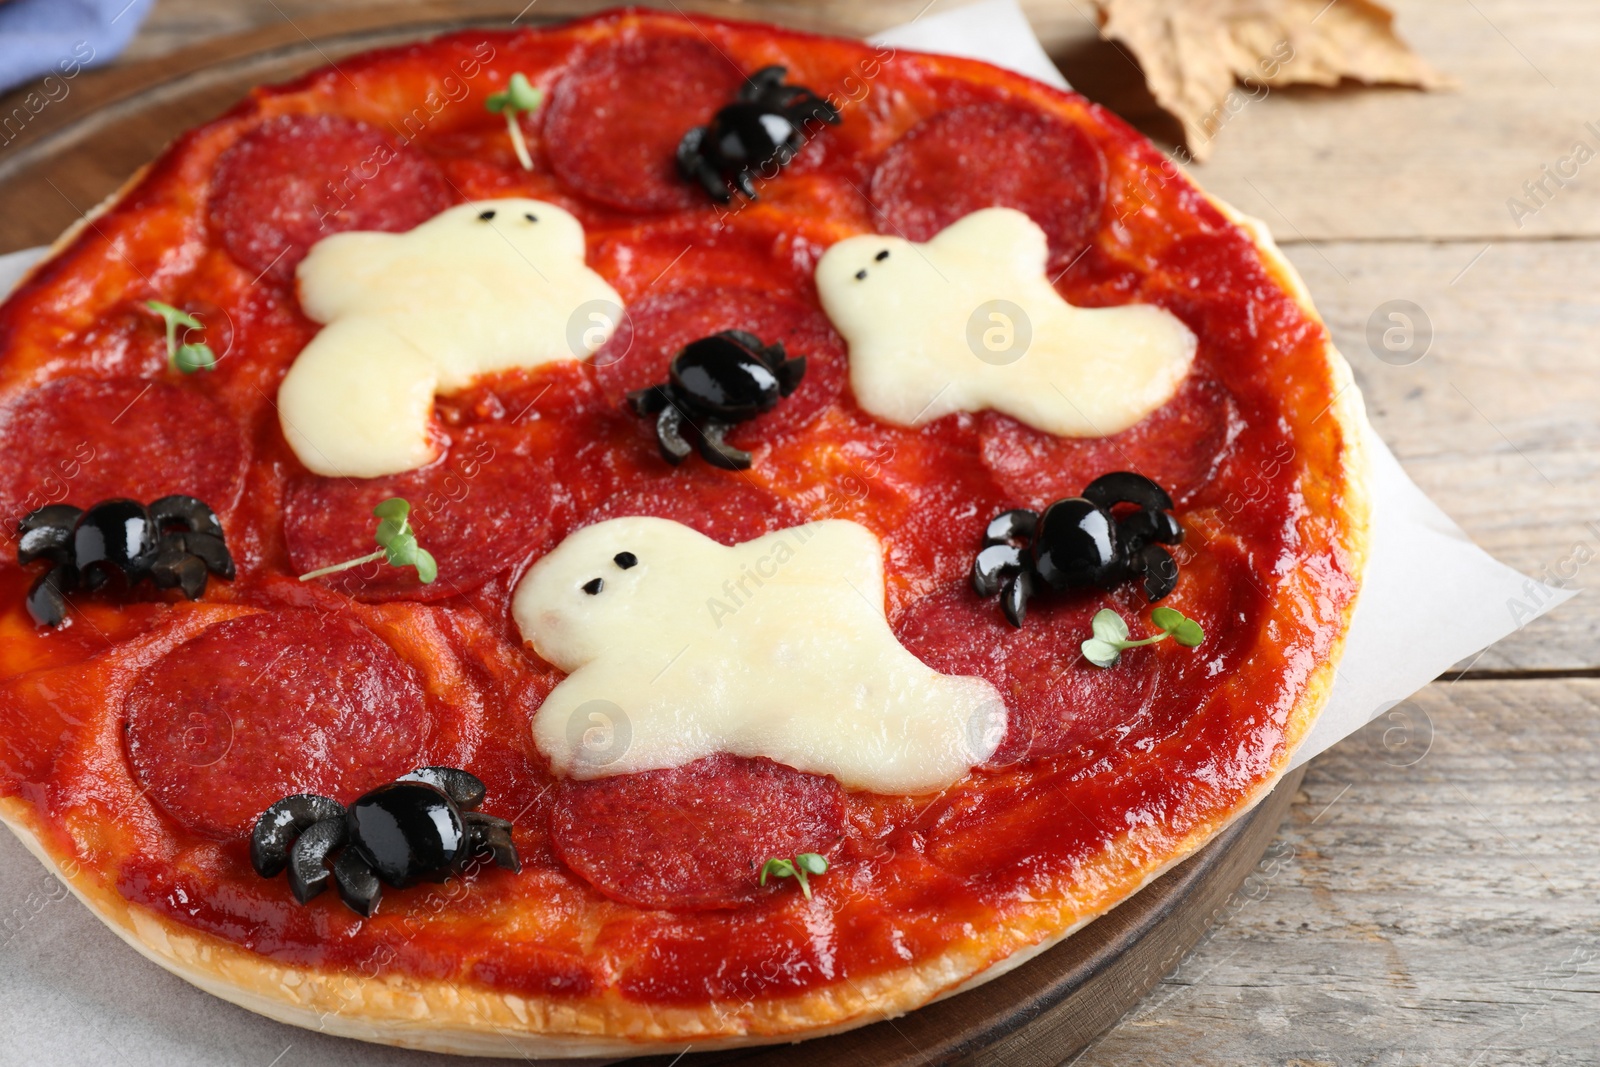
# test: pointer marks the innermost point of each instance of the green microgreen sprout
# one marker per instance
(1105, 648)
(518, 96)
(399, 543)
(187, 358)
(807, 863)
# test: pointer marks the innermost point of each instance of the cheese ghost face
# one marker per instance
(482, 287)
(969, 321)
(778, 647)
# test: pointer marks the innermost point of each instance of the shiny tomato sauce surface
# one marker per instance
(1098, 768)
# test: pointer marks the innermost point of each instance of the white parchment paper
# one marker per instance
(71, 993)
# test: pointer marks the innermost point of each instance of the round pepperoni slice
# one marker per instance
(657, 327)
(1178, 446)
(295, 179)
(481, 508)
(993, 155)
(260, 707)
(724, 505)
(82, 440)
(694, 837)
(614, 121)
(1055, 698)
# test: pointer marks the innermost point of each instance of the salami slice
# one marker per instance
(657, 327)
(1178, 447)
(81, 440)
(993, 155)
(482, 507)
(259, 707)
(1056, 699)
(694, 837)
(724, 505)
(614, 121)
(295, 179)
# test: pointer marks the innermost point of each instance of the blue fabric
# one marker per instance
(61, 37)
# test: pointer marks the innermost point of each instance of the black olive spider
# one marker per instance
(761, 129)
(420, 827)
(1081, 542)
(713, 383)
(175, 542)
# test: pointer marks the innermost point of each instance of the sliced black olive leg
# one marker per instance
(47, 533)
(649, 401)
(493, 836)
(308, 860)
(212, 551)
(992, 566)
(185, 511)
(717, 452)
(284, 821)
(1160, 571)
(790, 371)
(1126, 487)
(47, 598)
(669, 435)
(175, 567)
(358, 886)
(689, 152)
(761, 83)
(1014, 598)
(807, 105)
(714, 184)
(1015, 525)
(467, 790)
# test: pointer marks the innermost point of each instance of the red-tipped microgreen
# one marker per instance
(185, 357)
(518, 96)
(1110, 638)
(398, 541)
(807, 863)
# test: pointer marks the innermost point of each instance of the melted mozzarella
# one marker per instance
(777, 647)
(970, 321)
(409, 315)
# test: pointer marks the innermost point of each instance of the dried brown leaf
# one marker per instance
(1196, 52)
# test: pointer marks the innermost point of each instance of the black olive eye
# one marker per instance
(881, 256)
(624, 560)
(486, 215)
(594, 585)
(861, 275)
(531, 217)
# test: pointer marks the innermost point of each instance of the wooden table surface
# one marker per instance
(1433, 898)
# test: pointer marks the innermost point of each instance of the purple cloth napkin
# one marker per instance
(58, 39)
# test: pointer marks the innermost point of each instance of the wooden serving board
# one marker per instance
(79, 149)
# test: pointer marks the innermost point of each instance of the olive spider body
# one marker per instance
(759, 132)
(420, 827)
(175, 542)
(711, 384)
(1093, 541)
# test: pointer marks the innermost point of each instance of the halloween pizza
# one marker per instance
(574, 541)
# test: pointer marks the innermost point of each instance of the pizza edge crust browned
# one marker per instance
(440, 1016)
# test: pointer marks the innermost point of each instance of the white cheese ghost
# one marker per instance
(969, 321)
(678, 647)
(480, 287)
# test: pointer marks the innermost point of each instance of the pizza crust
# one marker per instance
(443, 1017)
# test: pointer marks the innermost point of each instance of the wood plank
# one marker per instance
(1441, 912)
(1496, 422)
